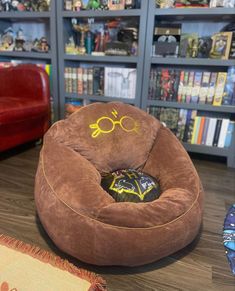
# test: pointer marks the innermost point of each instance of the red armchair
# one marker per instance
(24, 105)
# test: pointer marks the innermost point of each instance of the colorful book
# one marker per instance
(190, 125)
(189, 86)
(181, 124)
(196, 129)
(229, 90)
(200, 132)
(217, 132)
(211, 89)
(80, 80)
(180, 88)
(229, 135)
(223, 132)
(219, 89)
(211, 131)
(196, 87)
(185, 85)
(204, 87)
(90, 81)
(85, 81)
(205, 130)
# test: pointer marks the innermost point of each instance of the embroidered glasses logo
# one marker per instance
(105, 124)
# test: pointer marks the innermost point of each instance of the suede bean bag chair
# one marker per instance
(85, 221)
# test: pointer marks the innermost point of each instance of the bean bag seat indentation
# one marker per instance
(83, 219)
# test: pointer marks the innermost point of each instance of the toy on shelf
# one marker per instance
(7, 40)
(41, 45)
(82, 29)
(19, 41)
(24, 5)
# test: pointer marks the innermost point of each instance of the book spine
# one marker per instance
(204, 87)
(191, 125)
(229, 90)
(211, 131)
(205, 131)
(189, 87)
(96, 80)
(70, 81)
(102, 81)
(200, 132)
(66, 78)
(229, 135)
(219, 90)
(195, 130)
(223, 132)
(90, 81)
(80, 80)
(211, 89)
(196, 87)
(185, 85)
(74, 80)
(180, 88)
(217, 132)
(85, 81)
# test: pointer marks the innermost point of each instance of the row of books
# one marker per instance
(192, 128)
(214, 88)
(107, 81)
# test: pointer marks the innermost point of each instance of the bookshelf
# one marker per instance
(36, 18)
(70, 60)
(212, 16)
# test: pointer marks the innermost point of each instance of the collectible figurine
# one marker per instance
(93, 4)
(70, 47)
(204, 47)
(7, 39)
(82, 28)
(130, 4)
(77, 5)
(43, 45)
(19, 41)
(42, 6)
(6, 5)
(68, 5)
(116, 4)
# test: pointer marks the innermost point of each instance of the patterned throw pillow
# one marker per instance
(131, 186)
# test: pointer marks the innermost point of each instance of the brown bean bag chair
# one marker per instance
(83, 220)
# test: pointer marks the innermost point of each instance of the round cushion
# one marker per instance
(131, 186)
(84, 220)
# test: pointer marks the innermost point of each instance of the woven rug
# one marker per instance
(24, 267)
(229, 236)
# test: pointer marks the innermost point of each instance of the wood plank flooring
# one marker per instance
(200, 266)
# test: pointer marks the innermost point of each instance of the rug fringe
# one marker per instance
(97, 283)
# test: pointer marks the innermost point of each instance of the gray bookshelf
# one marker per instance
(133, 61)
(179, 15)
(49, 58)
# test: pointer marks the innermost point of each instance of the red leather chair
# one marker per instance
(24, 105)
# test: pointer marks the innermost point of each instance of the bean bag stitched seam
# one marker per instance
(113, 226)
(155, 139)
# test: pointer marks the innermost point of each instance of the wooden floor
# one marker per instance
(200, 266)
